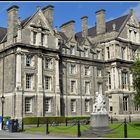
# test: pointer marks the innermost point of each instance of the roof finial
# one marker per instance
(131, 11)
(38, 8)
(114, 26)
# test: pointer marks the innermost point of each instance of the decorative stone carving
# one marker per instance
(99, 105)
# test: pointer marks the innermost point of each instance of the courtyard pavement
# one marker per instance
(20, 135)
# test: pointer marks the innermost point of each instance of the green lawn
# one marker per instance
(65, 130)
(72, 131)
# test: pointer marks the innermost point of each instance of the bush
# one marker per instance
(43, 120)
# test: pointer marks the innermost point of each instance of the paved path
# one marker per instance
(7, 134)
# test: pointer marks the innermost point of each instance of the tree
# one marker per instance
(136, 81)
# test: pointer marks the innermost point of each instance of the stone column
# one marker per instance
(18, 89)
(18, 68)
(117, 78)
(39, 87)
(57, 86)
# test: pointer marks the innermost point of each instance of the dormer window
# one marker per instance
(42, 39)
(29, 60)
(72, 50)
(34, 37)
(48, 63)
(85, 52)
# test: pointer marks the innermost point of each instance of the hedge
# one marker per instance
(43, 120)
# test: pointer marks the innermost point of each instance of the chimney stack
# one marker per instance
(48, 13)
(12, 23)
(84, 26)
(68, 28)
(100, 22)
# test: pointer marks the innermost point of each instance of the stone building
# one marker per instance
(46, 72)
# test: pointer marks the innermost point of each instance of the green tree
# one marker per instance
(136, 81)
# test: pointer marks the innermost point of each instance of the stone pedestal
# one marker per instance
(99, 120)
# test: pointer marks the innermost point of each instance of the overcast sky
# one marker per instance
(65, 11)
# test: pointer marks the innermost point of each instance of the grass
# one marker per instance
(72, 131)
(131, 131)
(62, 130)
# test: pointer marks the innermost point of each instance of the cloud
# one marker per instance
(136, 10)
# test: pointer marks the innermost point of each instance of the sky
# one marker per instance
(66, 11)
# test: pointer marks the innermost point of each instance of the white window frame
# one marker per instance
(29, 81)
(49, 83)
(87, 92)
(48, 63)
(74, 88)
(87, 106)
(29, 60)
(73, 105)
(87, 70)
(73, 70)
(28, 105)
(48, 105)
(72, 49)
(86, 52)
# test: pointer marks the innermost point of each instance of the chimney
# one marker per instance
(12, 23)
(100, 22)
(48, 13)
(84, 26)
(68, 28)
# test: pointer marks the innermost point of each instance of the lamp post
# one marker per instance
(2, 101)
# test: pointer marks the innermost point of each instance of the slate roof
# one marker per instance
(3, 32)
(91, 31)
(118, 22)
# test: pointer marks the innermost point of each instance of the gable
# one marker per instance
(38, 20)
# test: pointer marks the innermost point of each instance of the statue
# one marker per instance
(99, 105)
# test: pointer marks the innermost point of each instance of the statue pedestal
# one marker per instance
(99, 120)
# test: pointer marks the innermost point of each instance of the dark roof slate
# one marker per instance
(118, 22)
(3, 32)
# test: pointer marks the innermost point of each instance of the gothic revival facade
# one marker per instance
(46, 72)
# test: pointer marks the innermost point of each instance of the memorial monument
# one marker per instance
(99, 116)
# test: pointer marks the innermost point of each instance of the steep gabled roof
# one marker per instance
(3, 32)
(118, 22)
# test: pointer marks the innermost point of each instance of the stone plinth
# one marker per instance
(99, 120)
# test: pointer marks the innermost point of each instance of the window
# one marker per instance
(136, 107)
(48, 102)
(133, 54)
(48, 63)
(87, 105)
(73, 105)
(28, 60)
(34, 37)
(125, 102)
(29, 81)
(98, 54)
(73, 69)
(72, 50)
(28, 105)
(85, 52)
(48, 81)
(109, 81)
(111, 108)
(99, 88)
(42, 39)
(123, 52)
(73, 86)
(130, 32)
(99, 73)
(87, 70)
(124, 80)
(135, 36)
(87, 87)
(108, 52)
